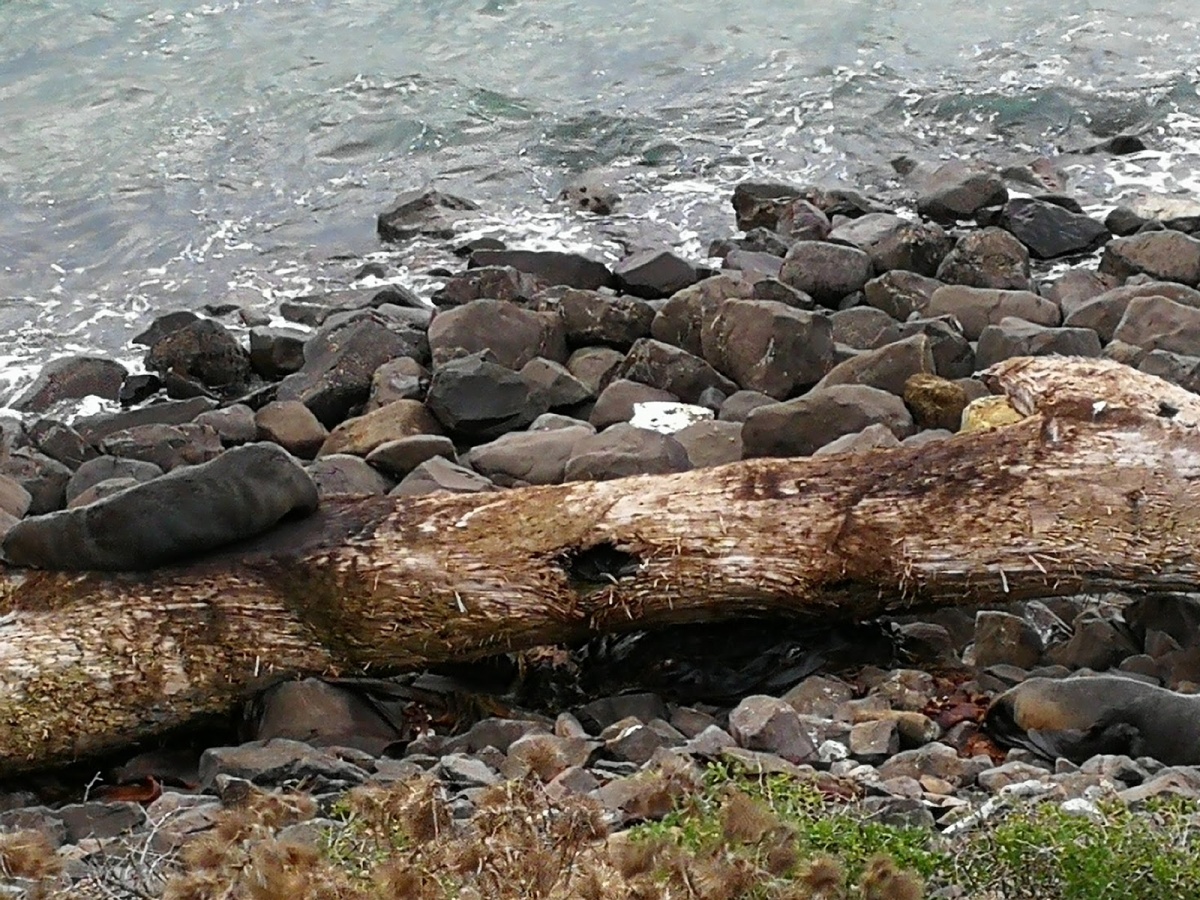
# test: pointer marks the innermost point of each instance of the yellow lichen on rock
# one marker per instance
(988, 413)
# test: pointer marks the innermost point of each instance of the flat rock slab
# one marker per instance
(241, 493)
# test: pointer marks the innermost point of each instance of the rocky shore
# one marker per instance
(829, 322)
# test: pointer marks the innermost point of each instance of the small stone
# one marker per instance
(1004, 638)
(768, 723)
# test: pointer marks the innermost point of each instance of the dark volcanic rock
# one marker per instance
(991, 258)
(896, 243)
(400, 379)
(755, 267)
(671, 369)
(205, 351)
(624, 450)
(1173, 367)
(72, 378)
(1016, 337)
(440, 474)
(344, 475)
(136, 388)
(617, 401)
(775, 290)
(1049, 230)
(167, 446)
(276, 352)
(1166, 255)
(826, 272)
(44, 478)
(164, 325)
(1076, 287)
(340, 361)
(710, 443)
(513, 334)
(976, 308)
(362, 434)
(900, 294)
(591, 317)
(491, 283)
(106, 468)
(595, 367)
(397, 458)
(1004, 639)
(759, 204)
(887, 367)
(1156, 323)
(768, 347)
(1103, 313)
(476, 397)
(234, 424)
(680, 320)
(291, 425)
(537, 457)
(554, 384)
(423, 212)
(551, 267)
(738, 405)
(801, 426)
(653, 274)
(864, 327)
(802, 220)
(61, 442)
(959, 189)
(241, 493)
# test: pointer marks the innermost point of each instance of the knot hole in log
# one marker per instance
(598, 566)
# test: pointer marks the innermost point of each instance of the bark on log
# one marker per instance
(1099, 488)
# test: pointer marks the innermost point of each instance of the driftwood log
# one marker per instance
(1098, 488)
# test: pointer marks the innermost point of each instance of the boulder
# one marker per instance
(739, 404)
(864, 328)
(167, 446)
(400, 379)
(242, 492)
(672, 369)
(653, 274)
(61, 442)
(276, 352)
(595, 367)
(590, 317)
(426, 212)
(1004, 639)
(959, 189)
(43, 478)
(887, 368)
(340, 360)
(801, 426)
(1103, 312)
(760, 204)
(94, 429)
(438, 474)
(1076, 287)
(767, 347)
(234, 424)
(756, 267)
(900, 294)
(291, 425)
(873, 437)
(514, 335)
(163, 325)
(554, 384)
(769, 724)
(1017, 337)
(14, 499)
(776, 290)
(362, 434)
(204, 351)
(1156, 323)
(953, 355)
(711, 443)
(476, 397)
(623, 450)
(1165, 255)
(490, 282)
(935, 402)
(976, 308)
(826, 272)
(72, 378)
(618, 400)
(1173, 367)
(528, 457)
(399, 457)
(896, 243)
(324, 714)
(802, 220)
(680, 319)
(551, 267)
(990, 258)
(1050, 230)
(346, 475)
(108, 468)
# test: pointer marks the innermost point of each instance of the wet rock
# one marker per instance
(94, 429)
(426, 212)
(14, 499)
(896, 243)
(801, 426)
(399, 457)
(1156, 323)
(400, 379)
(873, 437)
(362, 434)
(738, 405)
(618, 401)
(959, 189)
(1076, 287)
(163, 325)
(100, 820)
(291, 425)
(757, 267)
(243, 492)
(528, 457)
(590, 317)
(61, 442)
(167, 446)
(990, 258)
(936, 760)
(864, 328)
(1165, 255)
(1124, 221)
(551, 267)
(512, 334)
(680, 320)
(277, 763)
(760, 204)
(305, 311)
(72, 378)
(340, 361)
(1002, 638)
(1050, 230)
(801, 220)
(624, 450)
(887, 368)
(1017, 337)
(137, 388)
(953, 355)
(205, 351)
(554, 384)
(775, 290)
(711, 443)
(1173, 367)
(595, 367)
(769, 724)
(826, 272)
(673, 370)
(475, 396)
(767, 347)
(900, 294)
(108, 468)
(1103, 313)
(976, 308)
(653, 274)
(233, 424)
(489, 282)
(438, 474)
(321, 714)
(277, 352)
(342, 474)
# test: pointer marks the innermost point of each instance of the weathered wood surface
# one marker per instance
(1099, 488)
